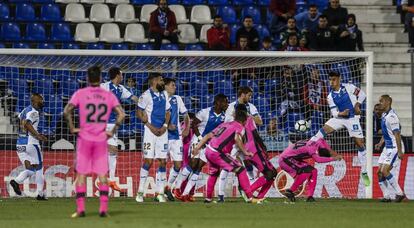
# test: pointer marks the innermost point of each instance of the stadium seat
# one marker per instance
(194, 47)
(251, 83)
(46, 46)
(263, 2)
(66, 1)
(180, 14)
(85, 32)
(233, 31)
(10, 31)
(218, 2)
(322, 4)
(135, 33)
(2, 46)
(75, 13)
(262, 103)
(95, 46)
(42, 1)
(68, 87)
(50, 12)
(92, 1)
(23, 100)
(117, 2)
(271, 86)
(125, 13)
(200, 14)
(25, 12)
(317, 121)
(61, 32)
(121, 46)
(243, 2)
(252, 11)
(35, 32)
(70, 46)
(173, 2)
(169, 47)
(20, 45)
(188, 34)
(44, 87)
(263, 31)
(223, 86)
(143, 47)
(100, 13)
(143, 2)
(146, 11)
(228, 14)
(192, 2)
(4, 12)
(110, 33)
(203, 32)
(18, 86)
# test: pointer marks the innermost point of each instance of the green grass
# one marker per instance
(234, 213)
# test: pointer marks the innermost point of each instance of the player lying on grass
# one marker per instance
(220, 144)
(95, 105)
(293, 161)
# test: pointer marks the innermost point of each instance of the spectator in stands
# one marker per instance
(316, 91)
(336, 14)
(408, 6)
(292, 43)
(308, 21)
(377, 120)
(303, 43)
(281, 11)
(163, 25)
(323, 38)
(250, 32)
(274, 138)
(248, 73)
(242, 44)
(218, 36)
(290, 91)
(350, 37)
(267, 44)
(290, 29)
(132, 86)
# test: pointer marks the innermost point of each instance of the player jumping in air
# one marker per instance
(392, 152)
(28, 147)
(154, 112)
(114, 85)
(293, 161)
(205, 121)
(345, 103)
(175, 133)
(95, 105)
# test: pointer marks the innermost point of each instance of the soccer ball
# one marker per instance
(302, 126)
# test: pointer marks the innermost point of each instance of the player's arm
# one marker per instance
(239, 143)
(194, 126)
(360, 95)
(134, 98)
(397, 135)
(29, 127)
(379, 144)
(256, 116)
(142, 115)
(67, 113)
(320, 159)
(120, 116)
(186, 130)
(202, 142)
(165, 125)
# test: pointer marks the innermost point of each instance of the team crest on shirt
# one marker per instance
(34, 115)
(355, 127)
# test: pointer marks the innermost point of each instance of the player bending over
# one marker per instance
(218, 150)
(28, 147)
(206, 120)
(392, 152)
(95, 105)
(293, 161)
(345, 103)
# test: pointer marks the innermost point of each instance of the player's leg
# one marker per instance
(383, 182)
(264, 182)
(40, 178)
(214, 172)
(222, 185)
(193, 180)
(161, 153)
(103, 196)
(100, 167)
(323, 132)
(311, 185)
(392, 156)
(112, 158)
(148, 147)
(176, 155)
(249, 169)
(23, 175)
(80, 190)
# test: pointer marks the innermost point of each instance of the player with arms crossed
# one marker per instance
(244, 95)
(204, 122)
(175, 133)
(392, 152)
(345, 103)
(154, 112)
(28, 147)
(293, 161)
(114, 85)
(95, 105)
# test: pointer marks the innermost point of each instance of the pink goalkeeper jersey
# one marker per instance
(95, 106)
(302, 150)
(224, 134)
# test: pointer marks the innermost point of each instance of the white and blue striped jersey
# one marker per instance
(209, 120)
(177, 108)
(251, 109)
(156, 105)
(31, 115)
(120, 92)
(390, 123)
(346, 98)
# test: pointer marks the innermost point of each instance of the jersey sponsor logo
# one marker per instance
(34, 115)
(21, 149)
(356, 92)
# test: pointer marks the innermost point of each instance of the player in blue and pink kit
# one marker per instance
(221, 141)
(95, 105)
(293, 161)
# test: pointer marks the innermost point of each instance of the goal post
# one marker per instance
(200, 75)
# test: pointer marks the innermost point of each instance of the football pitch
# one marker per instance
(125, 212)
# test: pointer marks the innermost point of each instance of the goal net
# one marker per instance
(287, 88)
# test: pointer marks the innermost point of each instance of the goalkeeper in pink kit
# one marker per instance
(293, 161)
(221, 141)
(95, 106)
